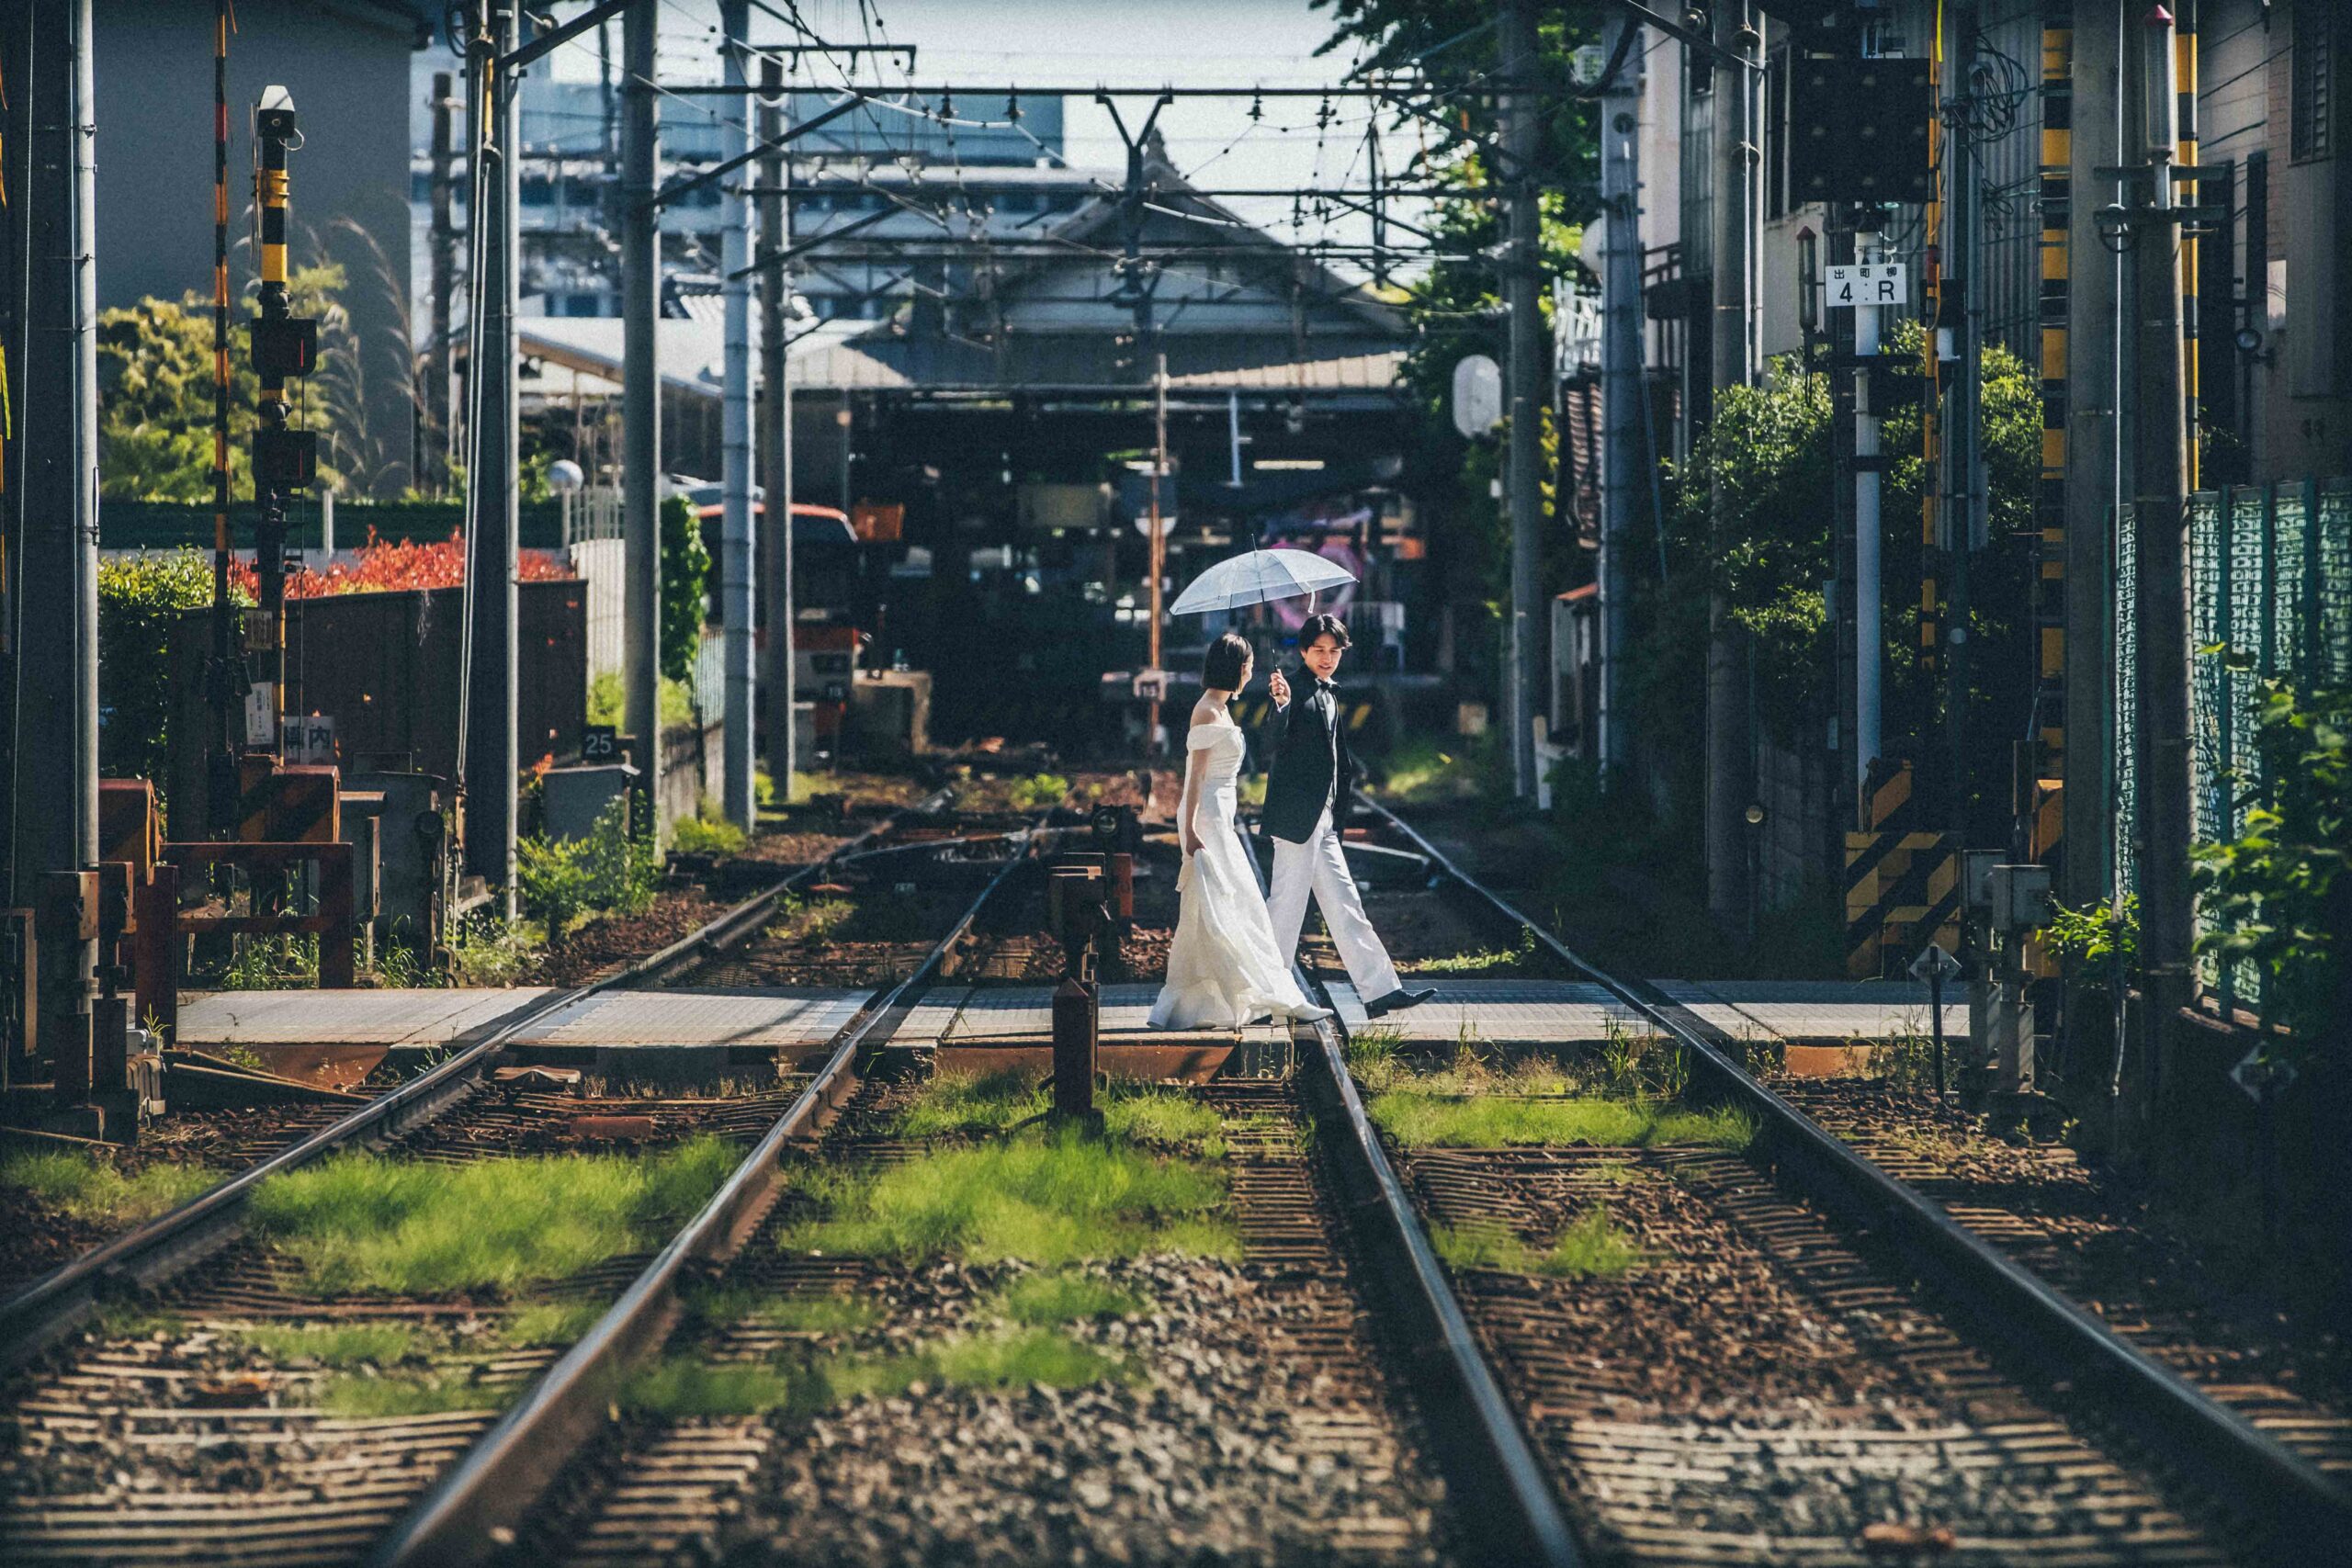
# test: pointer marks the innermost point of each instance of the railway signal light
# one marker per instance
(1858, 129)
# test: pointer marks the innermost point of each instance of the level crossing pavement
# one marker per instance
(765, 1020)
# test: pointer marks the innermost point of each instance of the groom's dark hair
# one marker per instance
(1321, 626)
(1227, 657)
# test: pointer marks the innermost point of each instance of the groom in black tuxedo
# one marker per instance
(1307, 795)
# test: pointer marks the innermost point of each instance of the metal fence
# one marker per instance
(2270, 596)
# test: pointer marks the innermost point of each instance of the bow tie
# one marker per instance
(1323, 686)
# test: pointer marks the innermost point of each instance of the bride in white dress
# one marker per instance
(1224, 970)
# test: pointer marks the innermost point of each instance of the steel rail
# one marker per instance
(2301, 1513)
(471, 1513)
(44, 1310)
(1502, 1499)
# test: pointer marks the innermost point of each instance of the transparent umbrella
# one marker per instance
(1260, 577)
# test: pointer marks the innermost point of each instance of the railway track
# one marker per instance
(1813, 1362)
(1273, 1424)
(188, 1428)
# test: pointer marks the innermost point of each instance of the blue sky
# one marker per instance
(1081, 42)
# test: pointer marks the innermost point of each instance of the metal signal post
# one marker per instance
(285, 459)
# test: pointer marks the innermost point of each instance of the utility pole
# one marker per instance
(1728, 744)
(1157, 555)
(56, 755)
(440, 410)
(493, 753)
(1529, 365)
(641, 394)
(775, 437)
(1622, 379)
(1963, 476)
(1870, 648)
(2160, 473)
(736, 537)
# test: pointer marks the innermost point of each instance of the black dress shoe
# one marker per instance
(1400, 998)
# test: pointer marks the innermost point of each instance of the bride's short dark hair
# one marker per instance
(1227, 657)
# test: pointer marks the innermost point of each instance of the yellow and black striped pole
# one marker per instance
(2050, 507)
(226, 690)
(284, 457)
(2184, 47)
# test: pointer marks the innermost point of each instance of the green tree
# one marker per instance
(685, 576)
(1770, 442)
(1454, 309)
(155, 391)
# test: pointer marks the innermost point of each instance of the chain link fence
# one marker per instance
(2270, 596)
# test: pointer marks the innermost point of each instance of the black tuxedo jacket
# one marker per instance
(1302, 742)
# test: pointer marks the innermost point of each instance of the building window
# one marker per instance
(2314, 109)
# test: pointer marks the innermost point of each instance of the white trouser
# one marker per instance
(1320, 866)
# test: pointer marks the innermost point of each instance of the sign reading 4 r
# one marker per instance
(1868, 283)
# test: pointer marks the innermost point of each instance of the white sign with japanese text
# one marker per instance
(1867, 283)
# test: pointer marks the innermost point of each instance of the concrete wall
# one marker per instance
(347, 64)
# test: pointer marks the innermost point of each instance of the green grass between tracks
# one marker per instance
(1047, 1198)
(88, 1188)
(1591, 1247)
(1415, 1119)
(361, 1222)
(978, 1104)
(1042, 1299)
(801, 1311)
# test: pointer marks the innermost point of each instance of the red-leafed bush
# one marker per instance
(386, 566)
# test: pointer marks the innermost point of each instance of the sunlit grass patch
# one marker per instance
(89, 1189)
(801, 919)
(380, 1397)
(680, 1387)
(978, 1104)
(551, 1322)
(362, 1223)
(135, 1320)
(1374, 1055)
(1717, 1128)
(797, 1312)
(1484, 961)
(1046, 1199)
(1417, 1119)
(1592, 1247)
(340, 1346)
(1038, 1299)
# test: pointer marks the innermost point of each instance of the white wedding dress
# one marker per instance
(1223, 970)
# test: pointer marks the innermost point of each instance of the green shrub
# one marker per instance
(608, 702)
(615, 869)
(141, 598)
(707, 832)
